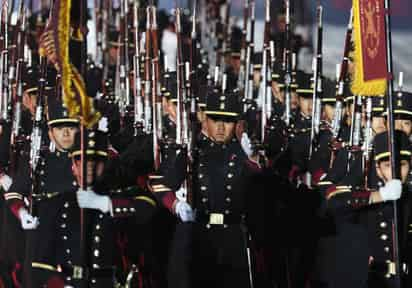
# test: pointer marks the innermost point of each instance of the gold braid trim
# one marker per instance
(63, 34)
(70, 75)
(89, 116)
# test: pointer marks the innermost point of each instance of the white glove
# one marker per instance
(103, 125)
(90, 200)
(391, 191)
(181, 193)
(5, 182)
(246, 145)
(184, 211)
(28, 222)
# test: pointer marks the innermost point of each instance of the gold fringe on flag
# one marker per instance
(375, 87)
(82, 107)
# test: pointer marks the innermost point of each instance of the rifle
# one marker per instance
(5, 100)
(337, 119)
(181, 107)
(248, 86)
(225, 32)
(367, 143)
(194, 128)
(123, 66)
(356, 128)
(139, 125)
(288, 65)
(318, 89)
(242, 72)
(266, 74)
(36, 139)
(156, 93)
(15, 77)
(181, 111)
(100, 38)
(147, 79)
(106, 12)
(37, 131)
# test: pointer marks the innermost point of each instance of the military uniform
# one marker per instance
(44, 190)
(130, 206)
(373, 251)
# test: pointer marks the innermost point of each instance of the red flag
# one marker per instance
(370, 48)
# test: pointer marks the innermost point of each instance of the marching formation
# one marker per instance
(179, 156)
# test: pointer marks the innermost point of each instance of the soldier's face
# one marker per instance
(276, 92)
(384, 170)
(404, 125)
(235, 63)
(305, 105)
(113, 53)
(220, 131)
(171, 109)
(63, 136)
(378, 124)
(329, 111)
(280, 95)
(349, 111)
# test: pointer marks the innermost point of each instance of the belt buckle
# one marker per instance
(391, 268)
(216, 219)
(77, 272)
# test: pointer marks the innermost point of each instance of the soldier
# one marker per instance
(403, 112)
(108, 212)
(220, 198)
(169, 92)
(51, 180)
(299, 145)
(370, 206)
(336, 228)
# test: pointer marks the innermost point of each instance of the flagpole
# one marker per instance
(391, 139)
(84, 255)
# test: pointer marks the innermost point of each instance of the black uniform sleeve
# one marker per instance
(135, 161)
